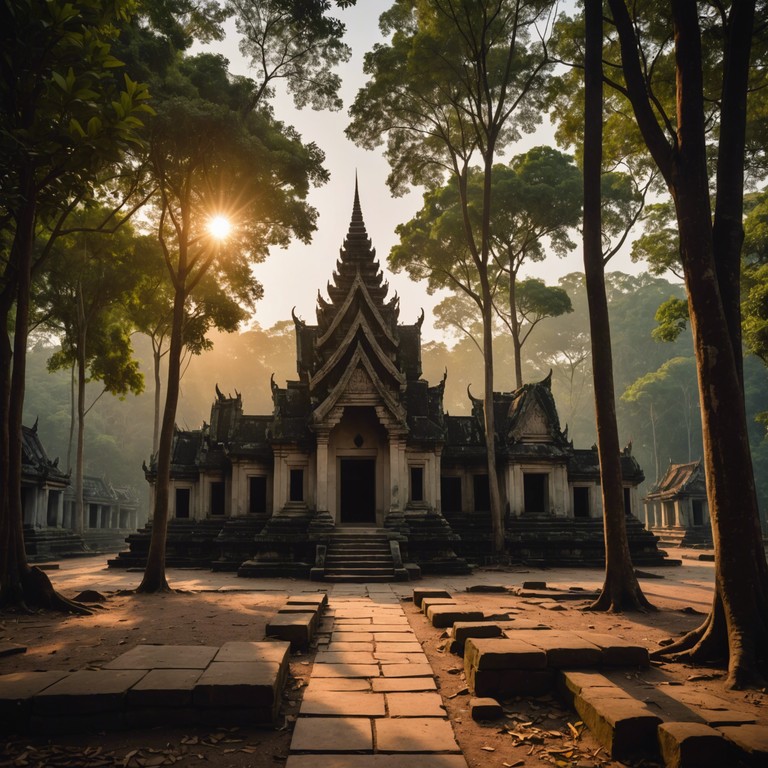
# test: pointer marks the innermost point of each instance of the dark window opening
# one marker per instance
(450, 494)
(53, 508)
(581, 501)
(627, 502)
(93, 515)
(535, 493)
(481, 492)
(217, 498)
(417, 483)
(182, 503)
(297, 485)
(698, 512)
(257, 495)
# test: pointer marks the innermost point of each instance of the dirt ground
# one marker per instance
(534, 732)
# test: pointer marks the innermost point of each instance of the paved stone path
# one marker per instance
(372, 699)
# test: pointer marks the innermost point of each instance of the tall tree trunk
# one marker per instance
(20, 584)
(158, 390)
(515, 328)
(80, 524)
(72, 415)
(621, 589)
(154, 574)
(737, 625)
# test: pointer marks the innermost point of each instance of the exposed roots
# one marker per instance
(621, 600)
(38, 591)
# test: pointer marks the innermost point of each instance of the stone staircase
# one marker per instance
(362, 555)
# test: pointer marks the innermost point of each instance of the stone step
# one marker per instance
(343, 570)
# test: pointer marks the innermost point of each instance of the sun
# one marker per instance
(219, 227)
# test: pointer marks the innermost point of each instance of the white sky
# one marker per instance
(292, 277)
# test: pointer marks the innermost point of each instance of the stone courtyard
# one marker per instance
(500, 667)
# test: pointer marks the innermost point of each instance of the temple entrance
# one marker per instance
(357, 497)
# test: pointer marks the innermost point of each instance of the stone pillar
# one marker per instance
(396, 489)
(280, 483)
(321, 502)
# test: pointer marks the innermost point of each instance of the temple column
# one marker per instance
(322, 473)
(395, 488)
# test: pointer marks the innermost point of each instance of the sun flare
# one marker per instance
(219, 227)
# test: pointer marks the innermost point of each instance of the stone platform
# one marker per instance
(239, 682)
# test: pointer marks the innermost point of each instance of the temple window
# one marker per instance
(581, 501)
(450, 493)
(182, 503)
(417, 484)
(535, 487)
(217, 497)
(257, 495)
(296, 491)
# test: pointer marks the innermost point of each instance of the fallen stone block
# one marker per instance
(420, 594)
(564, 650)
(427, 602)
(163, 689)
(297, 628)
(502, 653)
(228, 685)
(268, 650)
(621, 723)
(165, 657)
(463, 630)
(485, 709)
(442, 616)
(488, 588)
(317, 600)
(617, 652)
(751, 742)
(693, 745)
(504, 683)
(571, 683)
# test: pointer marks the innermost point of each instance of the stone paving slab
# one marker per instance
(563, 649)
(87, 692)
(239, 684)
(503, 683)
(406, 670)
(617, 652)
(17, 690)
(165, 657)
(332, 734)
(319, 599)
(415, 704)
(393, 684)
(502, 653)
(343, 703)
(401, 647)
(297, 628)
(351, 637)
(401, 658)
(415, 734)
(161, 688)
(338, 684)
(343, 645)
(271, 650)
(376, 761)
(344, 657)
(428, 602)
(346, 670)
(394, 637)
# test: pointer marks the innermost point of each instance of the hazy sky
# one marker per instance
(293, 276)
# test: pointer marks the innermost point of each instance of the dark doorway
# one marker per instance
(450, 493)
(358, 491)
(182, 503)
(698, 512)
(481, 491)
(218, 498)
(580, 501)
(535, 493)
(257, 495)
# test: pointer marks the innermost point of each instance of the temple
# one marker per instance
(359, 473)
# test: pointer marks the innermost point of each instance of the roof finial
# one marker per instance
(357, 211)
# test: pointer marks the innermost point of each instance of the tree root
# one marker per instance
(38, 591)
(621, 600)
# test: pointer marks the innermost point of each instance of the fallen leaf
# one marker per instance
(488, 749)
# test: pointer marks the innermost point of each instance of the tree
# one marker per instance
(67, 114)
(212, 154)
(710, 252)
(620, 588)
(454, 86)
(83, 298)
